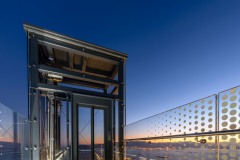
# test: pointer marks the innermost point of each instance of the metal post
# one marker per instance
(57, 125)
(92, 133)
(51, 128)
(34, 126)
(48, 126)
(74, 128)
(114, 126)
(109, 131)
(217, 127)
(121, 111)
(67, 119)
(33, 96)
(42, 119)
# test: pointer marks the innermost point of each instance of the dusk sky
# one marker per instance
(179, 51)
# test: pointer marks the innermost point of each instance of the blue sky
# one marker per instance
(179, 51)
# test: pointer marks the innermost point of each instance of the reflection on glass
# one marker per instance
(99, 151)
(84, 133)
(196, 117)
(12, 128)
(188, 148)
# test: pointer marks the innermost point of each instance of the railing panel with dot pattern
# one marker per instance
(195, 117)
(205, 129)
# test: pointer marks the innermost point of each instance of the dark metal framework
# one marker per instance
(64, 72)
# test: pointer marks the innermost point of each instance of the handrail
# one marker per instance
(218, 133)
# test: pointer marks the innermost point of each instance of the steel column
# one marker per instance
(121, 111)
(109, 132)
(92, 133)
(33, 96)
(74, 128)
(67, 120)
(34, 124)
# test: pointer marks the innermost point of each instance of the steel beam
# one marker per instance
(80, 50)
(55, 88)
(68, 40)
(75, 75)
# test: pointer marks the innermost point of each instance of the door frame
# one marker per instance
(98, 103)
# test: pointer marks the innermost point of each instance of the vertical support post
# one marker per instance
(109, 131)
(92, 133)
(217, 152)
(33, 99)
(74, 128)
(42, 119)
(57, 125)
(67, 128)
(67, 119)
(114, 125)
(51, 127)
(48, 125)
(34, 125)
(121, 111)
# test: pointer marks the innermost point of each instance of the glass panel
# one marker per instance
(12, 139)
(188, 148)
(84, 125)
(229, 111)
(99, 150)
(229, 147)
(196, 117)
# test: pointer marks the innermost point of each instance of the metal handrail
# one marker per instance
(217, 133)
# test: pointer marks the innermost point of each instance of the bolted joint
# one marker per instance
(34, 91)
(34, 64)
(31, 35)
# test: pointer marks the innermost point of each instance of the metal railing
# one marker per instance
(208, 128)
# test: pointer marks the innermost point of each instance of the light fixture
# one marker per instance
(55, 77)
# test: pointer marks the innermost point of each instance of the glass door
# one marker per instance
(92, 128)
(91, 139)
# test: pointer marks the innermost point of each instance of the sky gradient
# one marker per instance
(179, 51)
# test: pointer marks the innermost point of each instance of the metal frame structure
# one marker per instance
(54, 78)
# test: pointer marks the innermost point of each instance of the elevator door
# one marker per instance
(94, 128)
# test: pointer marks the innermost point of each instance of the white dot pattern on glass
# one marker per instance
(229, 109)
(200, 117)
(229, 147)
(195, 117)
